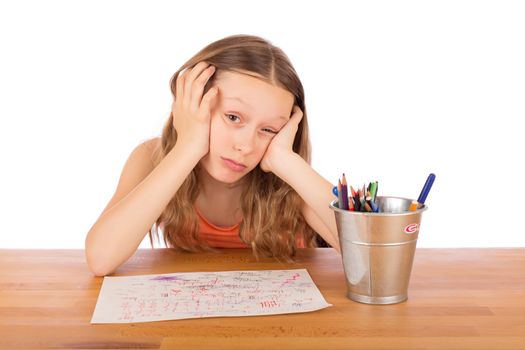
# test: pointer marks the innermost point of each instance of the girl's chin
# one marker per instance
(226, 177)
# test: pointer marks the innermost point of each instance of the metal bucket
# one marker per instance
(378, 249)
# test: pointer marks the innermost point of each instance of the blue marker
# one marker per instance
(374, 206)
(428, 185)
(334, 191)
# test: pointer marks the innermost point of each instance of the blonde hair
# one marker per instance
(271, 209)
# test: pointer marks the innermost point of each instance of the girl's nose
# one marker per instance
(244, 141)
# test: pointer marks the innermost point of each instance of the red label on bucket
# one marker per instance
(411, 228)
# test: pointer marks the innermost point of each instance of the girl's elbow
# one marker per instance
(98, 267)
(97, 264)
(99, 272)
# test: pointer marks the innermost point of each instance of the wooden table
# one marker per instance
(458, 299)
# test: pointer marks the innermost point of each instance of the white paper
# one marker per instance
(206, 294)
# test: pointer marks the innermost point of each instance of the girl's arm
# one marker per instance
(316, 192)
(136, 205)
(143, 191)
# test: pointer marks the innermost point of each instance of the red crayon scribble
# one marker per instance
(293, 278)
(268, 304)
(215, 281)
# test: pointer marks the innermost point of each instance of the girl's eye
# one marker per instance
(270, 131)
(233, 118)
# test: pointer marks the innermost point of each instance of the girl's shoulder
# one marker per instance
(140, 163)
(149, 150)
(143, 159)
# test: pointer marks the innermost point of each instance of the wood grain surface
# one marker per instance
(458, 299)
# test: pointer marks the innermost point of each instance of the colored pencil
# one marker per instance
(352, 191)
(339, 197)
(344, 189)
(351, 204)
(357, 205)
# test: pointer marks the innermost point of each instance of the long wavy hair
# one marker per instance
(271, 209)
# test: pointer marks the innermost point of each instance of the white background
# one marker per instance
(394, 90)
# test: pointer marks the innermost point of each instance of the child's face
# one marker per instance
(247, 114)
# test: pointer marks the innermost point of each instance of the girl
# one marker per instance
(231, 168)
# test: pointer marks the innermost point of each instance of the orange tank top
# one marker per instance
(225, 237)
(217, 236)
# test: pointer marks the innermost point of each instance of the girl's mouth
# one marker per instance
(233, 165)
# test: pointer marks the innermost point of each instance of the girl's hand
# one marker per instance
(191, 110)
(282, 143)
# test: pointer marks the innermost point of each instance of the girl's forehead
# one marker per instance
(254, 93)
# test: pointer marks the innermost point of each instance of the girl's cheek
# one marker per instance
(217, 131)
(263, 145)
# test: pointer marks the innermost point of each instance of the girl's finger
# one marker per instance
(179, 84)
(295, 119)
(205, 105)
(197, 88)
(190, 79)
(293, 124)
(297, 114)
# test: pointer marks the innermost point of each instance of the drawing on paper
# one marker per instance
(206, 294)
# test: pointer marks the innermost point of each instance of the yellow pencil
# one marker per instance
(413, 206)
